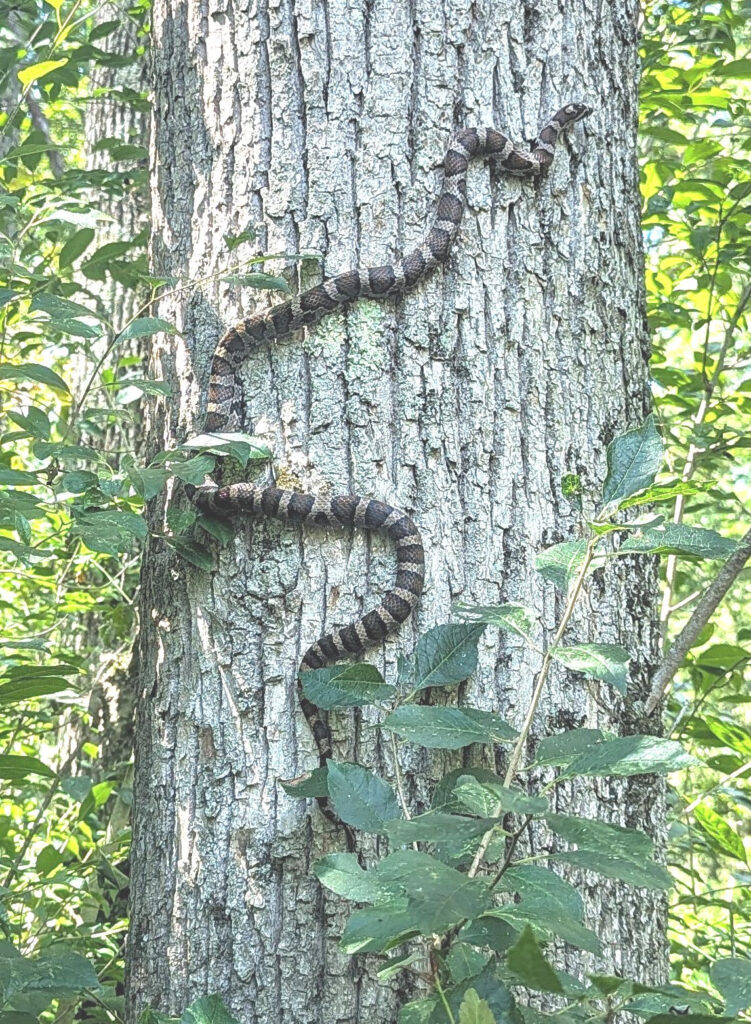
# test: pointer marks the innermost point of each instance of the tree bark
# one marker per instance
(322, 127)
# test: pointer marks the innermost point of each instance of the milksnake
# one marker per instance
(224, 408)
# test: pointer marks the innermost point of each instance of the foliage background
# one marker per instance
(73, 482)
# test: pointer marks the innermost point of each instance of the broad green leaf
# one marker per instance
(464, 961)
(311, 784)
(444, 798)
(732, 978)
(195, 470)
(418, 1011)
(258, 281)
(608, 662)
(446, 655)
(514, 618)
(678, 539)
(361, 798)
(565, 746)
(207, 1010)
(488, 931)
(722, 835)
(634, 459)
(36, 71)
(394, 965)
(7, 295)
(195, 555)
(342, 874)
(526, 961)
(649, 875)
(455, 838)
(630, 755)
(59, 308)
(375, 929)
(562, 562)
(448, 728)
(76, 244)
(145, 326)
(549, 923)
(474, 1010)
(485, 798)
(438, 895)
(33, 372)
(345, 686)
(27, 689)
(489, 989)
(16, 767)
(109, 531)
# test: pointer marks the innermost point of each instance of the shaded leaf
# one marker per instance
(345, 686)
(634, 459)
(361, 798)
(608, 662)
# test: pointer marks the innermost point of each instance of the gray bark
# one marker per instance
(322, 127)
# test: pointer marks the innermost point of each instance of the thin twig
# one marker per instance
(701, 615)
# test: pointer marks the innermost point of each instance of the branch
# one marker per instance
(701, 615)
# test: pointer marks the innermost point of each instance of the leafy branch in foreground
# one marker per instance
(439, 902)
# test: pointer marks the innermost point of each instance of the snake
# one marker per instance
(224, 410)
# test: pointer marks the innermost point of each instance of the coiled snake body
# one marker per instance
(224, 408)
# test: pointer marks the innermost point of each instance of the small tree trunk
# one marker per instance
(322, 127)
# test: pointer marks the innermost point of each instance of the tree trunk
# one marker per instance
(322, 127)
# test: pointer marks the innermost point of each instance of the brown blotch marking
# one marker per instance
(381, 279)
(343, 507)
(281, 318)
(330, 650)
(438, 241)
(376, 514)
(348, 284)
(397, 607)
(413, 266)
(375, 626)
(270, 498)
(409, 580)
(449, 208)
(299, 506)
(348, 638)
(454, 163)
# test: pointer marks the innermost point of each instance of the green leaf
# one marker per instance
(17, 767)
(394, 965)
(464, 962)
(474, 1010)
(513, 618)
(195, 555)
(630, 755)
(378, 928)
(608, 662)
(722, 835)
(438, 895)
(36, 71)
(490, 799)
(32, 371)
(488, 931)
(634, 459)
(419, 1011)
(145, 326)
(548, 903)
(207, 1010)
(526, 961)
(76, 244)
(455, 838)
(678, 539)
(565, 746)
(561, 563)
(195, 470)
(345, 686)
(448, 728)
(446, 655)
(258, 281)
(732, 977)
(342, 874)
(109, 531)
(27, 689)
(360, 798)
(311, 784)
(489, 990)
(59, 308)
(648, 875)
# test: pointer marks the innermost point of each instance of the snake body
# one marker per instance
(224, 407)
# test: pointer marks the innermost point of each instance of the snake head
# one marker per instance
(576, 111)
